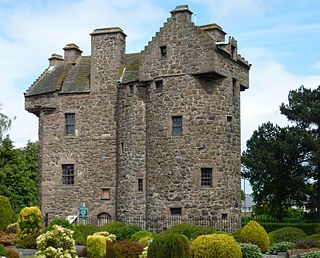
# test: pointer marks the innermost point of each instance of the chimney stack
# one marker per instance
(181, 13)
(55, 59)
(71, 53)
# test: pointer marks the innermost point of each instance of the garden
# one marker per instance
(119, 240)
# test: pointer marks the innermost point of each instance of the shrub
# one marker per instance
(12, 228)
(312, 255)
(2, 250)
(81, 233)
(61, 222)
(27, 241)
(141, 234)
(126, 249)
(6, 212)
(29, 220)
(11, 253)
(314, 237)
(254, 233)
(237, 235)
(57, 242)
(108, 236)
(120, 229)
(280, 247)
(7, 238)
(96, 246)
(250, 250)
(215, 245)
(144, 253)
(190, 231)
(290, 234)
(169, 245)
(307, 243)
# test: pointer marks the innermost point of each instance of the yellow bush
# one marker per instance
(29, 221)
(96, 246)
(254, 233)
(215, 245)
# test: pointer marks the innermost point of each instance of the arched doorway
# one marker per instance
(103, 218)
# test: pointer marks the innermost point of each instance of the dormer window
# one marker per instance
(163, 52)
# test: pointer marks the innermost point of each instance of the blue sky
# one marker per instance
(280, 38)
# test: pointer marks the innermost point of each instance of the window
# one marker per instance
(163, 52)
(229, 118)
(105, 194)
(159, 86)
(175, 211)
(131, 89)
(224, 216)
(176, 125)
(206, 177)
(68, 174)
(140, 184)
(234, 87)
(70, 123)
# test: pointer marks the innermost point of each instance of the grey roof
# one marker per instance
(69, 78)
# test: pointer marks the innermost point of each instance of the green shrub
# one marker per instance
(57, 242)
(12, 228)
(120, 229)
(254, 233)
(81, 233)
(307, 243)
(29, 221)
(6, 213)
(108, 237)
(126, 249)
(27, 241)
(289, 234)
(237, 235)
(215, 245)
(190, 231)
(314, 237)
(141, 234)
(280, 247)
(250, 250)
(11, 253)
(96, 246)
(169, 245)
(308, 227)
(2, 250)
(61, 222)
(312, 255)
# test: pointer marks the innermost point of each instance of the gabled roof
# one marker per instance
(75, 78)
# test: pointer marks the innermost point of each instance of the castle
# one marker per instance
(148, 134)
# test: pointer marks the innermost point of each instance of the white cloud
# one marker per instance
(316, 66)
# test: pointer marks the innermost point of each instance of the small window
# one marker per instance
(233, 50)
(229, 118)
(68, 174)
(159, 86)
(175, 211)
(224, 216)
(206, 177)
(70, 123)
(176, 125)
(234, 87)
(163, 52)
(131, 89)
(140, 184)
(105, 194)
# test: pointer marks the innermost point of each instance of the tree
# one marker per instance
(283, 164)
(5, 124)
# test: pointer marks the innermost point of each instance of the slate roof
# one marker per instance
(76, 78)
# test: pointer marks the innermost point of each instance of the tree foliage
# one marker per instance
(283, 163)
(5, 123)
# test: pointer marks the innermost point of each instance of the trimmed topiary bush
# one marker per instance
(215, 245)
(57, 242)
(29, 221)
(120, 229)
(254, 233)
(280, 247)
(127, 249)
(289, 234)
(190, 231)
(61, 222)
(250, 250)
(96, 246)
(81, 233)
(312, 255)
(108, 237)
(6, 213)
(169, 245)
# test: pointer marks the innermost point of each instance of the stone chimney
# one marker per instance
(215, 31)
(71, 53)
(107, 57)
(181, 13)
(55, 59)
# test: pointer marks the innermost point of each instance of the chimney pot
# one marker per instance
(55, 59)
(71, 53)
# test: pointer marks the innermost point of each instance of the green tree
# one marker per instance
(5, 123)
(283, 164)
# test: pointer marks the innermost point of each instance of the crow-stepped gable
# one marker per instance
(148, 134)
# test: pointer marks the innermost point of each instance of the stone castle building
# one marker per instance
(148, 134)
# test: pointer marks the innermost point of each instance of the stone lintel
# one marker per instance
(110, 30)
